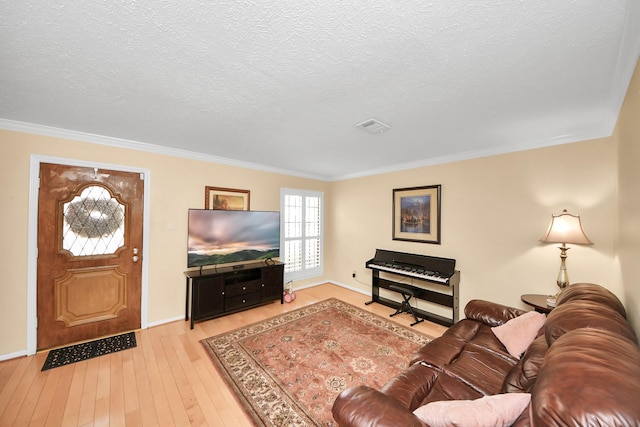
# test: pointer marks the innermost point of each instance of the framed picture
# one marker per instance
(416, 214)
(230, 199)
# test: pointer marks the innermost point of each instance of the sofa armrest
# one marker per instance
(411, 386)
(589, 377)
(363, 406)
(491, 313)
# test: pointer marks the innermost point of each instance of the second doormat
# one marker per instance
(88, 350)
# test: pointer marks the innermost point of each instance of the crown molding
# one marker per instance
(32, 128)
(604, 130)
(484, 152)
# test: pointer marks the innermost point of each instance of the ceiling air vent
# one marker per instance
(373, 126)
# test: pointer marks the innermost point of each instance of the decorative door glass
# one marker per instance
(93, 223)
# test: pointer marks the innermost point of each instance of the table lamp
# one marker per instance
(566, 229)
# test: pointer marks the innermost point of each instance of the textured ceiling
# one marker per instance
(281, 84)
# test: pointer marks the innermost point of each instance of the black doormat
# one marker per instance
(89, 350)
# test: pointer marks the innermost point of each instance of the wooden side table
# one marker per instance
(538, 302)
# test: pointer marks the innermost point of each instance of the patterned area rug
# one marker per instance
(88, 350)
(288, 370)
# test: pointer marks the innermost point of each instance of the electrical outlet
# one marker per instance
(353, 274)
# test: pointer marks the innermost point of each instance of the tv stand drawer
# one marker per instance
(241, 301)
(241, 288)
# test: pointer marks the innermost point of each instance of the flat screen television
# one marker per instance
(225, 237)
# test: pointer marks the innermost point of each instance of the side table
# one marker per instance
(538, 302)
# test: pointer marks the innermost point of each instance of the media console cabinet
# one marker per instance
(219, 291)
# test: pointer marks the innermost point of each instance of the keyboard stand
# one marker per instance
(405, 307)
(441, 297)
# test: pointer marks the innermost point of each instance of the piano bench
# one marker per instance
(405, 306)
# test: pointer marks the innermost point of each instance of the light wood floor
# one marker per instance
(167, 380)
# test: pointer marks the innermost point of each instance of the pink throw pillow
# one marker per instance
(518, 333)
(488, 411)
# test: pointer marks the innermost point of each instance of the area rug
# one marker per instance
(288, 370)
(88, 350)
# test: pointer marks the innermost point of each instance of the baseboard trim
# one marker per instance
(21, 353)
(164, 321)
(9, 356)
(351, 288)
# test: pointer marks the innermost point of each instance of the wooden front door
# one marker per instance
(89, 253)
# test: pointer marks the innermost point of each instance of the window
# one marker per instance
(93, 223)
(302, 241)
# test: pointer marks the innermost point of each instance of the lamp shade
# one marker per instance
(566, 228)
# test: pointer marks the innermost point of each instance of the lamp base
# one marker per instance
(563, 277)
(551, 300)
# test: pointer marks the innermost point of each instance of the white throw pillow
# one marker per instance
(500, 410)
(518, 333)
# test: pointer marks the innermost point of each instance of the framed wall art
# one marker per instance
(416, 214)
(226, 198)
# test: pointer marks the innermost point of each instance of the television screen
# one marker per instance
(223, 237)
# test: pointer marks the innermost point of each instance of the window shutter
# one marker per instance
(302, 233)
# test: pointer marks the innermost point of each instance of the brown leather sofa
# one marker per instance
(582, 369)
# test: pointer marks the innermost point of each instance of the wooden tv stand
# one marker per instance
(219, 291)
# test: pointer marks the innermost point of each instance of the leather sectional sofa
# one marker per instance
(582, 369)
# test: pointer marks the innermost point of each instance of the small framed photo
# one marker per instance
(416, 214)
(230, 199)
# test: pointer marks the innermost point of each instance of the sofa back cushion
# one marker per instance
(577, 314)
(490, 313)
(589, 377)
(591, 292)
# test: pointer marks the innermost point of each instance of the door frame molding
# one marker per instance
(32, 245)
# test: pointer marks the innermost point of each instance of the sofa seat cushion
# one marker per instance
(482, 370)
(467, 361)
(589, 377)
(441, 351)
(523, 375)
(420, 384)
(459, 337)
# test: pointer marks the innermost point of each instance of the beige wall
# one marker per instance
(494, 210)
(628, 242)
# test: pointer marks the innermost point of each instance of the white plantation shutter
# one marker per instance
(301, 216)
